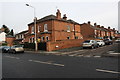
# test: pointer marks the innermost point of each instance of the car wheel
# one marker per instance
(14, 52)
(92, 47)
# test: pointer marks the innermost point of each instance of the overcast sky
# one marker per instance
(16, 15)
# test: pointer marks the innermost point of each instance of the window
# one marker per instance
(32, 29)
(95, 32)
(21, 36)
(32, 39)
(39, 28)
(47, 38)
(68, 28)
(68, 37)
(45, 28)
(42, 38)
(76, 37)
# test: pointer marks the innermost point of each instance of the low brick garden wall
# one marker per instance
(64, 44)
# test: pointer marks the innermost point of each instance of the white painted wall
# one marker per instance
(2, 36)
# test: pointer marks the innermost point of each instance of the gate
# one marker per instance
(42, 46)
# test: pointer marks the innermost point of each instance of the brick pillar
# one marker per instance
(48, 47)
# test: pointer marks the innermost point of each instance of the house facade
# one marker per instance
(96, 31)
(20, 37)
(2, 36)
(55, 29)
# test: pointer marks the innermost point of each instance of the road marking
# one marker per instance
(12, 57)
(108, 71)
(111, 51)
(48, 62)
(73, 51)
(97, 56)
(114, 53)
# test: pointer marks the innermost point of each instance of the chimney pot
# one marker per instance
(64, 17)
(102, 26)
(88, 22)
(95, 24)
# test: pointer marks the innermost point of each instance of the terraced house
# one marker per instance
(56, 31)
(96, 31)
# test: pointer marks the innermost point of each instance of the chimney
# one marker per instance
(58, 14)
(108, 27)
(64, 17)
(98, 26)
(35, 19)
(102, 26)
(88, 22)
(95, 24)
(113, 29)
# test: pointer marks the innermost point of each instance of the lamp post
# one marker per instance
(35, 27)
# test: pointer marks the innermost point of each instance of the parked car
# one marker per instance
(4, 49)
(90, 44)
(100, 42)
(108, 41)
(15, 49)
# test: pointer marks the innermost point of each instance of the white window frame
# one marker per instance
(95, 32)
(29, 40)
(39, 28)
(45, 28)
(68, 28)
(42, 38)
(32, 39)
(32, 29)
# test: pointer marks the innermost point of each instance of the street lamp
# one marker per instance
(36, 46)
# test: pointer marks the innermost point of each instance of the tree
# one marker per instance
(6, 29)
(11, 33)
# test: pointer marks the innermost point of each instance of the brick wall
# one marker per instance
(10, 41)
(64, 44)
(87, 31)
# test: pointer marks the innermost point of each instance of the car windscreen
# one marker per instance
(87, 41)
(98, 41)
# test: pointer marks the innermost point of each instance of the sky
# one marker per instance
(16, 15)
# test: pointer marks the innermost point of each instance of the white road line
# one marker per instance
(108, 71)
(114, 53)
(12, 57)
(97, 56)
(73, 51)
(50, 63)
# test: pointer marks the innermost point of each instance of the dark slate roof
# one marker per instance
(10, 36)
(103, 29)
(53, 17)
(22, 32)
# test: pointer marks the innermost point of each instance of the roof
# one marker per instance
(10, 36)
(53, 17)
(103, 29)
(22, 32)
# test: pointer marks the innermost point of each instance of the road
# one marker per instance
(34, 65)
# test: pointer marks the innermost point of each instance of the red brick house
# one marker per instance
(96, 31)
(54, 30)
